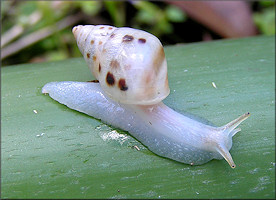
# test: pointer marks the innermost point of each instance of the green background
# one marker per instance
(50, 151)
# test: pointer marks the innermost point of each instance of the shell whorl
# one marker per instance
(130, 64)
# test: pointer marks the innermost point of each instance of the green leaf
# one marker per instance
(267, 3)
(265, 20)
(117, 12)
(175, 14)
(50, 151)
(90, 8)
(147, 12)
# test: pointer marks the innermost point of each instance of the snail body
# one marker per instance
(160, 128)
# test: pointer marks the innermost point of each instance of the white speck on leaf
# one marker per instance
(137, 148)
(214, 85)
(114, 135)
(39, 135)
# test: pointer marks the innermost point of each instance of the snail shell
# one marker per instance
(130, 64)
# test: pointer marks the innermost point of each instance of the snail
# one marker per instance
(131, 72)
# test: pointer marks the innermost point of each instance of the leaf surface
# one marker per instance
(51, 151)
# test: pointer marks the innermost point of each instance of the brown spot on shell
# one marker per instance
(102, 27)
(94, 58)
(93, 81)
(159, 58)
(110, 79)
(114, 64)
(148, 78)
(88, 55)
(92, 42)
(142, 40)
(100, 42)
(122, 84)
(75, 29)
(128, 38)
(110, 28)
(100, 68)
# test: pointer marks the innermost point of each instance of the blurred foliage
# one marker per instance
(117, 12)
(265, 19)
(155, 19)
(61, 45)
(158, 18)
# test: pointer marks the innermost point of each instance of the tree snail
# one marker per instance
(131, 69)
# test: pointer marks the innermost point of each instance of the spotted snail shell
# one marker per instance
(130, 64)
